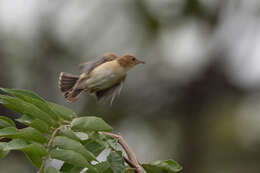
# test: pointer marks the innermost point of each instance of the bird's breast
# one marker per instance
(105, 76)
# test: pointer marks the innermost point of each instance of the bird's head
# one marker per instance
(129, 61)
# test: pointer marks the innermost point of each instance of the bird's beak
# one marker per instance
(140, 62)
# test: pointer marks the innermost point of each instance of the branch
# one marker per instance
(48, 149)
(129, 162)
(132, 161)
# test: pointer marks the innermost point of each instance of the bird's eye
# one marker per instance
(133, 59)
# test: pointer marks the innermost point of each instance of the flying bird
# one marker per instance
(102, 78)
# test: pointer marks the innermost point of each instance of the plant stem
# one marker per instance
(132, 161)
(48, 149)
(129, 162)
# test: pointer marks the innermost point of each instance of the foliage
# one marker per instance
(56, 132)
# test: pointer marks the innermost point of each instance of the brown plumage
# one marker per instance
(102, 77)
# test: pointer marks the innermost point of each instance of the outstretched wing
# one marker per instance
(87, 67)
(110, 93)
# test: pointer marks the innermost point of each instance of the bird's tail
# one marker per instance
(67, 84)
(73, 95)
(67, 81)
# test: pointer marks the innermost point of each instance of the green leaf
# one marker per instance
(16, 144)
(8, 132)
(34, 123)
(6, 122)
(28, 134)
(51, 170)
(22, 92)
(35, 151)
(64, 131)
(94, 147)
(90, 124)
(116, 161)
(103, 167)
(23, 107)
(62, 111)
(40, 125)
(34, 99)
(42, 105)
(66, 143)
(31, 134)
(97, 142)
(76, 169)
(66, 167)
(81, 135)
(69, 168)
(25, 119)
(71, 157)
(3, 150)
(165, 166)
(114, 164)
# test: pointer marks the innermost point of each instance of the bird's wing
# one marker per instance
(110, 93)
(87, 67)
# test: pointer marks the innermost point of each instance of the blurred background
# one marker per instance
(196, 100)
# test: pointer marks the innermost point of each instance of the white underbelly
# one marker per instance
(102, 78)
(101, 81)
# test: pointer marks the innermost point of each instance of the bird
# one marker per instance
(102, 77)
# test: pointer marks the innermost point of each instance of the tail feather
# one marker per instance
(68, 85)
(67, 81)
(73, 95)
